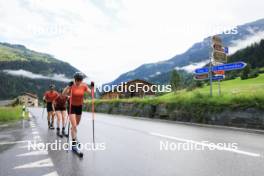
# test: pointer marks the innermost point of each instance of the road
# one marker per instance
(132, 147)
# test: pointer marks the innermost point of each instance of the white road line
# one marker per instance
(12, 142)
(4, 125)
(36, 164)
(52, 174)
(29, 146)
(34, 153)
(208, 145)
(35, 132)
(37, 138)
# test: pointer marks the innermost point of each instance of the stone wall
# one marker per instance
(247, 118)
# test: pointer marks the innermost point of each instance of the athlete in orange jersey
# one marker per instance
(76, 90)
(49, 97)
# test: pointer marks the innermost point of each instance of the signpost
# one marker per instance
(217, 66)
(224, 67)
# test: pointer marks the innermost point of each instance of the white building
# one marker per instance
(28, 99)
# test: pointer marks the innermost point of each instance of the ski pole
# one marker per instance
(43, 111)
(92, 91)
(68, 141)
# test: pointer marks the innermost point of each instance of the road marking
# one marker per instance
(36, 164)
(12, 142)
(37, 138)
(52, 174)
(43, 152)
(35, 132)
(208, 145)
(4, 125)
(38, 145)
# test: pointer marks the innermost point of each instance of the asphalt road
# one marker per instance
(132, 147)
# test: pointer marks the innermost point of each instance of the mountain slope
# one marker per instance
(35, 71)
(197, 53)
(16, 57)
(252, 55)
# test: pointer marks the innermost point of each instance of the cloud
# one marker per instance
(243, 43)
(28, 74)
(108, 37)
(191, 67)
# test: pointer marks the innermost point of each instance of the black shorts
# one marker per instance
(49, 107)
(75, 110)
(60, 108)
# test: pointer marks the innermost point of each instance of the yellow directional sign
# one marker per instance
(219, 56)
(216, 40)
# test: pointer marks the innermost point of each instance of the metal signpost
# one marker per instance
(217, 66)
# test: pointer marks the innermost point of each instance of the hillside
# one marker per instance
(16, 57)
(19, 58)
(197, 53)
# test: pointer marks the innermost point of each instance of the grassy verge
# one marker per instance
(8, 114)
(235, 94)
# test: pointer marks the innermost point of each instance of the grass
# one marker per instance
(8, 114)
(235, 93)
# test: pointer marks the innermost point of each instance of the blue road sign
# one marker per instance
(218, 77)
(226, 50)
(225, 67)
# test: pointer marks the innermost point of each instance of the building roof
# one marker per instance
(30, 94)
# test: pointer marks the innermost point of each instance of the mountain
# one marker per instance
(253, 55)
(25, 70)
(198, 53)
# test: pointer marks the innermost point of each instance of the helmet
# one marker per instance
(52, 86)
(78, 76)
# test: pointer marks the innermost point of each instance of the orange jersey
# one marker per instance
(50, 96)
(78, 94)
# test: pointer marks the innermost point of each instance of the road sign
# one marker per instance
(226, 50)
(201, 77)
(219, 56)
(225, 67)
(216, 39)
(219, 72)
(218, 77)
(230, 66)
(218, 47)
(206, 77)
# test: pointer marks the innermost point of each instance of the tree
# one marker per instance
(245, 72)
(175, 80)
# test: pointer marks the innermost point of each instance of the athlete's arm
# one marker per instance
(66, 90)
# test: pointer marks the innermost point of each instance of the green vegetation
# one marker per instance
(175, 80)
(236, 93)
(16, 57)
(8, 114)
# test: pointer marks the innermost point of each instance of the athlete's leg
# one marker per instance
(58, 115)
(63, 116)
(53, 117)
(78, 119)
(73, 126)
(48, 117)
(63, 113)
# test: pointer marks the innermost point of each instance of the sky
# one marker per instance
(105, 38)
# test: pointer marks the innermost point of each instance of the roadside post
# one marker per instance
(217, 65)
